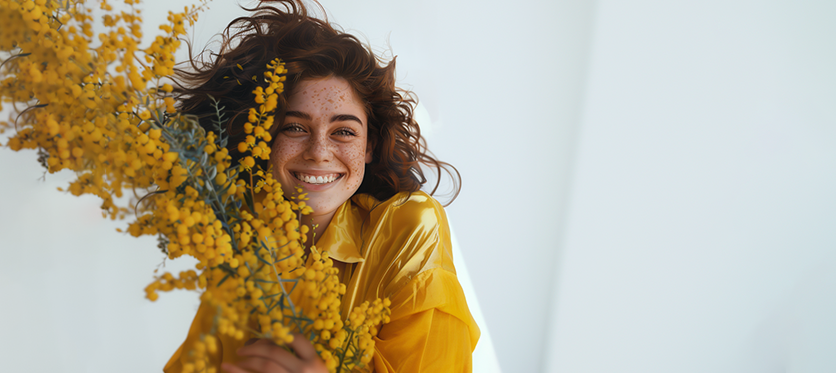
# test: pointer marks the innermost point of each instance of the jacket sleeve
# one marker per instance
(202, 324)
(431, 329)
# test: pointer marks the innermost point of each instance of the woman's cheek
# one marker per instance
(358, 164)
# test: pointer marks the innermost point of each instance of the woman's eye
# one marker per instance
(345, 132)
(292, 128)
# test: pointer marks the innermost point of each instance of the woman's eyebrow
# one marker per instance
(346, 117)
(298, 114)
(335, 118)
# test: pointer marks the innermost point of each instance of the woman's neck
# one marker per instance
(318, 225)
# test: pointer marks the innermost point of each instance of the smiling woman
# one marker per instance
(344, 135)
(322, 146)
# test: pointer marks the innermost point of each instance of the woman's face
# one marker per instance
(322, 144)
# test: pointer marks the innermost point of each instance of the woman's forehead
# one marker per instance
(325, 95)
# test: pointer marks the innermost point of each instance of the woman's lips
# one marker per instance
(317, 179)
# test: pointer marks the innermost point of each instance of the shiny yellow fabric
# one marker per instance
(399, 248)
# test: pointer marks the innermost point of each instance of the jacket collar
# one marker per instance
(343, 239)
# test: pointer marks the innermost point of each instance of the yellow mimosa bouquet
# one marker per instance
(101, 106)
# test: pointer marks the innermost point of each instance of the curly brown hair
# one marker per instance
(312, 48)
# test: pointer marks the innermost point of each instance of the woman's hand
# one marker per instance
(264, 356)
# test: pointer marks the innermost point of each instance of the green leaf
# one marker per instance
(222, 280)
(248, 198)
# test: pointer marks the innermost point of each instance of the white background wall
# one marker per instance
(647, 187)
(699, 230)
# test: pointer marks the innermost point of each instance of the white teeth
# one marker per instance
(317, 179)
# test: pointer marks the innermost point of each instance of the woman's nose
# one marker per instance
(318, 149)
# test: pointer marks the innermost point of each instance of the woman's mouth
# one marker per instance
(316, 179)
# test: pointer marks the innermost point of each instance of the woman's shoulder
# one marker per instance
(407, 233)
(408, 210)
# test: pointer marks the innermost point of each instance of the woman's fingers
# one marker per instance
(258, 365)
(304, 348)
(267, 350)
(263, 356)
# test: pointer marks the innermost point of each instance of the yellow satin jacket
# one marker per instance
(401, 249)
